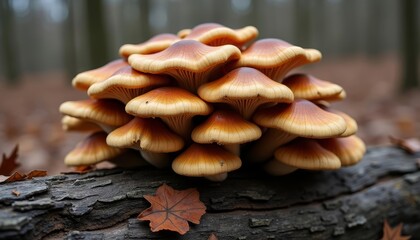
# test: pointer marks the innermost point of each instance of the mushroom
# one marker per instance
(84, 80)
(153, 45)
(175, 106)
(351, 124)
(304, 154)
(275, 57)
(150, 136)
(310, 88)
(226, 128)
(288, 121)
(106, 113)
(92, 150)
(190, 62)
(214, 34)
(209, 161)
(128, 159)
(183, 33)
(69, 123)
(126, 84)
(245, 89)
(350, 150)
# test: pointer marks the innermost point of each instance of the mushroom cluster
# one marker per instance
(206, 99)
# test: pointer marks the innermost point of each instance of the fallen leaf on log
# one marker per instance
(213, 237)
(8, 163)
(16, 176)
(36, 173)
(81, 169)
(411, 145)
(393, 233)
(171, 209)
(16, 192)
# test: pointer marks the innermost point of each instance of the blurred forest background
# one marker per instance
(370, 47)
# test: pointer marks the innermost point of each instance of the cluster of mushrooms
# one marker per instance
(206, 99)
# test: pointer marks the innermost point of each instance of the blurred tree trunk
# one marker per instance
(409, 44)
(8, 46)
(302, 24)
(69, 42)
(97, 37)
(144, 19)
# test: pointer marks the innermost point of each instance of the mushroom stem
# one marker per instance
(277, 168)
(233, 148)
(217, 177)
(264, 147)
(159, 160)
(181, 125)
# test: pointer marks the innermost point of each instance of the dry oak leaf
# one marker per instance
(16, 176)
(36, 173)
(393, 233)
(8, 163)
(411, 145)
(171, 209)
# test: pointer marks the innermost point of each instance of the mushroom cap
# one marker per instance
(69, 123)
(84, 80)
(302, 118)
(214, 34)
(225, 127)
(167, 101)
(126, 84)
(203, 160)
(188, 61)
(153, 45)
(275, 57)
(92, 150)
(245, 88)
(307, 154)
(183, 33)
(103, 111)
(350, 150)
(146, 134)
(310, 88)
(350, 122)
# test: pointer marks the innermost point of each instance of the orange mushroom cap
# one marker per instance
(153, 45)
(350, 150)
(245, 89)
(214, 34)
(126, 84)
(275, 57)
(84, 80)
(190, 62)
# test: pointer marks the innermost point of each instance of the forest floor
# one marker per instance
(29, 113)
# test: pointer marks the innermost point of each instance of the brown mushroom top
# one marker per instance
(310, 88)
(190, 62)
(146, 134)
(201, 160)
(275, 57)
(84, 80)
(153, 45)
(302, 118)
(225, 127)
(92, 150)
(214, 34)
(307, 154)
(126, 84)
(350, 150)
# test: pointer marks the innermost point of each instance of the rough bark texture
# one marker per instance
(348, 204)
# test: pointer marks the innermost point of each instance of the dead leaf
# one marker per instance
(17, 176)
(36, 173)
(171, 209)
(16, 192)
(393, 233)
(81, 169)
(411, 145)
(213, 237)
(8, 163)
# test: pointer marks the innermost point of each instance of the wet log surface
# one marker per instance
(351, 203)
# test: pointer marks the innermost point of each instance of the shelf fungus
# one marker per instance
(207, 99)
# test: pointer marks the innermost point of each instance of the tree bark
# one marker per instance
(351, 203)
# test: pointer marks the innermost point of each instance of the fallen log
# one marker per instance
(351, 203)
